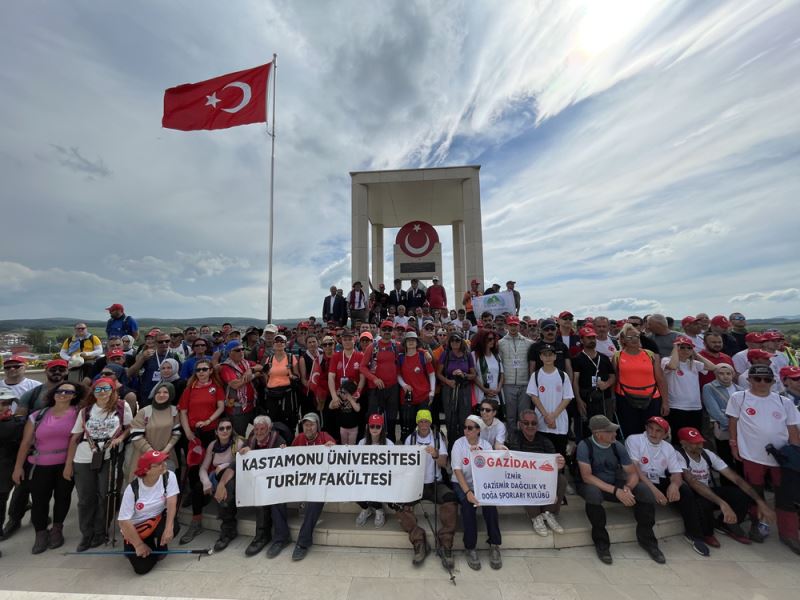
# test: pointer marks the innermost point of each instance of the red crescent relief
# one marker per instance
(417, 238)
(314, 377)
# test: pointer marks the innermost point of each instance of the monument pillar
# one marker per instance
(460, 283)
(377, 255)
(360, 242)
(473, 234)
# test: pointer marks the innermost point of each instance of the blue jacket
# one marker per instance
(715, 400)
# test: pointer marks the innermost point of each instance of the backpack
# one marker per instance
(590, 446)
(711, 481)
(126, 325)
(91, 338)
(402, 357)
(443, 475)
(536, 377)
(135, 486)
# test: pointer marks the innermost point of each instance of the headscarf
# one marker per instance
(170, 388)
(174, 377)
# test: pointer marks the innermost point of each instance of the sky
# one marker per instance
(636, 156)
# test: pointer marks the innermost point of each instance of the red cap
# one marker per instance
(114, 352)
(790, 372)
(721, 321)
(565, 313)
(589, 319)
(474, 281)
(410, 328)
(754, 337)
(691, 435)
(758, 354)
(688, 320)
(587, 332)
(58, 362)
(387, 323)
(365, 334)
(15, 358)
(148, 459)
(116, 307)
(661, 422)
(153, 332)
(304, 325)
(772, 336)
(512, 321)
(683, 340)
(375, 419)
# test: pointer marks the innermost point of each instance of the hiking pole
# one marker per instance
(435, 529)
(112, 494)
(199, 552)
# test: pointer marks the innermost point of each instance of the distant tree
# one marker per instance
(37, 340)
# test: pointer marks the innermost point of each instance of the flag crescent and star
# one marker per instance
(226, 101)
(417, 238)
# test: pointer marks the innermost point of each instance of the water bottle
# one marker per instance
(763, 528)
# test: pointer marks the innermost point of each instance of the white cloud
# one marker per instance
(787, 295)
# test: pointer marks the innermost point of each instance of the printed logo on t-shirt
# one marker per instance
(417, 370)
(465, 461)
(480, 462)
(645, 460)
(212, 390)
(139, 505)
(777, 415)
(541, 388)
(680, 373)
(751, 411)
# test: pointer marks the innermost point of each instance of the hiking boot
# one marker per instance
(195, 529)
(446, 554)
(40, 545)
(697, 545)
(276, 548)
(299, 553)
(223, 541)
(256, 545)
(380, 518)
(495, 560)
(604, 554)
(10, 528)
(364, 516)
(734, 531)
(539, 526)
(473, 562)
(791, 543)
(552, 523)
(56, 537)
(420, 553)
(84, 544)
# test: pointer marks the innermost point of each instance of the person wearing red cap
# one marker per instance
(691, 328)
(714, 354)
(661, 470)
(102, 426)
(375, 436)
(593, 380)
(14, 377)
(790, 377)
(566, 332)
(682, 371)
(721, 325)
(733, 501)
(757, 418)
(380, 369)
(120, 324)
(55, 371)
(436, 295)
(148, 510)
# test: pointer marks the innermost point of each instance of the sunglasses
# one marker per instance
(376, 426)
(328, 344)
(635, 324)
(758, 379)
(529, 423)
(280, 341)
(549, 328)
(66, 392)
(224, 428)
(202, 369)
(57, 370)
(102, 388)
(242, 349)
(684, 347)
(631, 337)
(387, 329)
(484, 409)
(566, 318)
(12, 367)
(471, 427)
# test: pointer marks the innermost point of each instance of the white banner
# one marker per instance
(503, 478)
(497, 304)
(329, 474)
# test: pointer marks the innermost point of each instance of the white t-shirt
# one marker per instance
(494, 433)
(684, 384)
(761, 421)
(551, 392)
(699, 343)
(152, 500)
(740, 362)
(700, 468)
(363, 442)
(398, 320)
(19, 388)
(494, 369)
(461, 458)
(606, 347)
(430, 464)
(655, 460)
(101, 425)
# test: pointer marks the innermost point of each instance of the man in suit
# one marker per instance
(340, 308)
(328, 305)
(398, 295)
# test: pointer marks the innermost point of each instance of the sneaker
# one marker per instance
(364, 516)
(446, 554)
(473, 562)
(604, 554)
(539, 526)
(552, 523)
(495, 560)
(570, 489)
(697, 545)
(792, 544)
(654, 553)
(299, 553)
(734, 531)
(380, 518)
(755, 535)
(276, 548)
(195, 529)
(711, 540)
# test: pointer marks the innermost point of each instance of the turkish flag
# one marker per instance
(226, 101)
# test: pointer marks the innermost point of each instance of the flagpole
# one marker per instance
(271, 187)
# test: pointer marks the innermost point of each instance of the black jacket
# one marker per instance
(398, 297)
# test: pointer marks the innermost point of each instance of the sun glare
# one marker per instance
(607, 22)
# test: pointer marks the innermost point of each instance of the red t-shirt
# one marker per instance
(228, 374)
(417, 376)
(200, 402)
(321, 439)
(717, 360)
(346, 367)
(385, 363)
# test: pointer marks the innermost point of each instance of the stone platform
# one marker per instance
(337, 526)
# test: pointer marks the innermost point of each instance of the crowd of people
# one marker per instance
(705, 419)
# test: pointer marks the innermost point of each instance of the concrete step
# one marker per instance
(337, 526)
